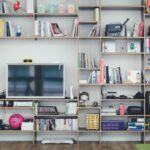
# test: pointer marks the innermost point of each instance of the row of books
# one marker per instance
(47, 29)
(94, 77)
(6, 28)
(136, 124)
(138, 29)
(56, 124)
(86, 60)
(7, 6)
(110, 75)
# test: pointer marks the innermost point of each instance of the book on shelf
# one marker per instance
(42, 28)
(2, 27)
(9, 30)
(148, 3)
(56, 124)
(75, 28)
(147, 45)
(66, 124)
(94, 77)
(86, 61)
(47, 29)
(102, 63)
(97, 14)
(30, 6)
(55, 29)
(5, 7)
(138, 29)
(141, 29)
(136, 124)
(95, 32)
(110, 75)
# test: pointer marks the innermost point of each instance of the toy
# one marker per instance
(16, 6)
(15, 121)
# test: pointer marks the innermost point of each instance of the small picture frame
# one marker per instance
(41, 8)
(71, 8)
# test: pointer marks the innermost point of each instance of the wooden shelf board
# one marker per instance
(132, 7)
(18, 38)
(127, 100)
(61, 37)
(89, 38)
(89, 131)
(56, 15)
(88, 22)
(147, 68)
(15, 131)
(56, 115)
(88, 69)
(88, 107)
(124, 84)
(17, 14)
(120, 53)
(17, 107)
(55, 100)
(124, 38)
(52, 131)
(147, 53)
(147, 14)
(89, 84)
(88, 6)
(122, 131)
(122, 115)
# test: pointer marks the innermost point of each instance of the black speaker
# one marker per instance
(147, 103)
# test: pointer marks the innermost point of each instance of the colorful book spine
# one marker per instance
(102, 71)
(1, 27)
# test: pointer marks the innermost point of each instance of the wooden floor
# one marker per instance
(29, 146)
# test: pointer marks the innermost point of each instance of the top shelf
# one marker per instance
(88, 6)
(38, 14)
(123, 7)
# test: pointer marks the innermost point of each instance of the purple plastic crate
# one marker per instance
(112, 125)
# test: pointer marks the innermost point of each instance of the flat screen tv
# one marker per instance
(35, 81)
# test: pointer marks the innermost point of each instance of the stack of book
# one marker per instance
(110, 75)
(112, 125)
(86, 61)
(95, 32)
(108, 112)
(56, 124)
(136, 124)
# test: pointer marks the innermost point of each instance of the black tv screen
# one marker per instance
(34, 80)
